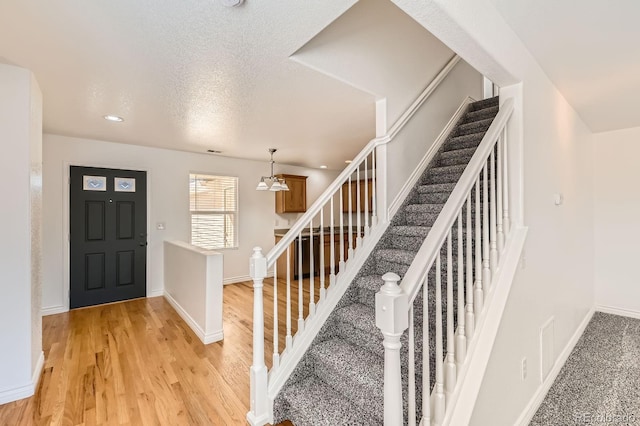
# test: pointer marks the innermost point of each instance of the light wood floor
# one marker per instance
(138, 363)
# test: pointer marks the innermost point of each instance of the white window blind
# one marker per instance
(213, 202)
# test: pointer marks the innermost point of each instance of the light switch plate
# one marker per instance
(160, 226)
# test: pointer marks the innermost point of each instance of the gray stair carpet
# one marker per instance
(339, 380)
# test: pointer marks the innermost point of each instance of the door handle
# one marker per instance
(143, 244)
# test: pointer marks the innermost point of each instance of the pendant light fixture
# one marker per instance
(271, 182)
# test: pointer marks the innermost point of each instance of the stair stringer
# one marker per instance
(470, 376)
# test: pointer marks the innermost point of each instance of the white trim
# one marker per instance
(428, 156)
(206, 338)
(618, 311)
(27, 390)
(302, 340)
(533, 405)
(154, 293)
(239, 279)
(462, 401)
(53, 310)
(66, 232)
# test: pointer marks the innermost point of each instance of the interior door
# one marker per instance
(108, 235)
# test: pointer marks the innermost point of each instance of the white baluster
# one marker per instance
(439, 399)
(321, 271)
(506, 222)
(412, 372)
(499, 207)
(426, 353)
(478, 296)
(276, 344)
(493, 252)
(392, 319)
(450, 361)
(258, 372)
(358, 209)
(342, 264)
(289, 338)
(332, 248)
(461, 338)
(312, 276)
(486, 271)
(470, 318)
(350, 230)
(366, 197)
(300, 284)
(374, 206)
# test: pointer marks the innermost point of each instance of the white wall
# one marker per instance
(20, 169)
(617, 219)
(376, 47)
(557, 280)
(412, 142)
(168, 174)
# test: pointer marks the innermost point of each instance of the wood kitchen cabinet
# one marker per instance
(354, 195)
(295, 199)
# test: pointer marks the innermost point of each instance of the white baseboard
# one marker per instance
(27, 390)
(53, 310)
(156, 293)
(531, 408)
(206, 338)
(234, 280)
(618, 311)
(242, 278)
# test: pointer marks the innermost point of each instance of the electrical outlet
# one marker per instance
(524, 369)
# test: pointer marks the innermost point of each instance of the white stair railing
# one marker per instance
(474, 224)
(314, 257)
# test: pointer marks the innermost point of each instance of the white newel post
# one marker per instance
(392, 318)
(259, 414)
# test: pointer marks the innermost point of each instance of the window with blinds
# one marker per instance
(213, 202)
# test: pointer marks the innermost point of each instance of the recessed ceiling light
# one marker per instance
(113, 118)
(323, 167)
(347, 161)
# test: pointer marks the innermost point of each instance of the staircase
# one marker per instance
(340, 379)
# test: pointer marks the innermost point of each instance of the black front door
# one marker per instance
(108, 226)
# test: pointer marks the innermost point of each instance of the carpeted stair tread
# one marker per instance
(352, 371)
(396, 255)
(456, 157)
(470, 140)
(436, 187)
(473, 127)
(410, 231)
(312, 402)
(424, 208)
(481, 114)
(483, 104)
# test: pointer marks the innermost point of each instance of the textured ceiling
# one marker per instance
(189, 75)
(589, 49)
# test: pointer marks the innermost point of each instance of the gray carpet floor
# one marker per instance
(600, 382)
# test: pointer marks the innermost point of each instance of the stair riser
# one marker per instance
(437, 177)
(418, 219)
(483, 104)
(467, 129)
(455, 161)
(480, 115)
(468, 141)
(432, 197)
